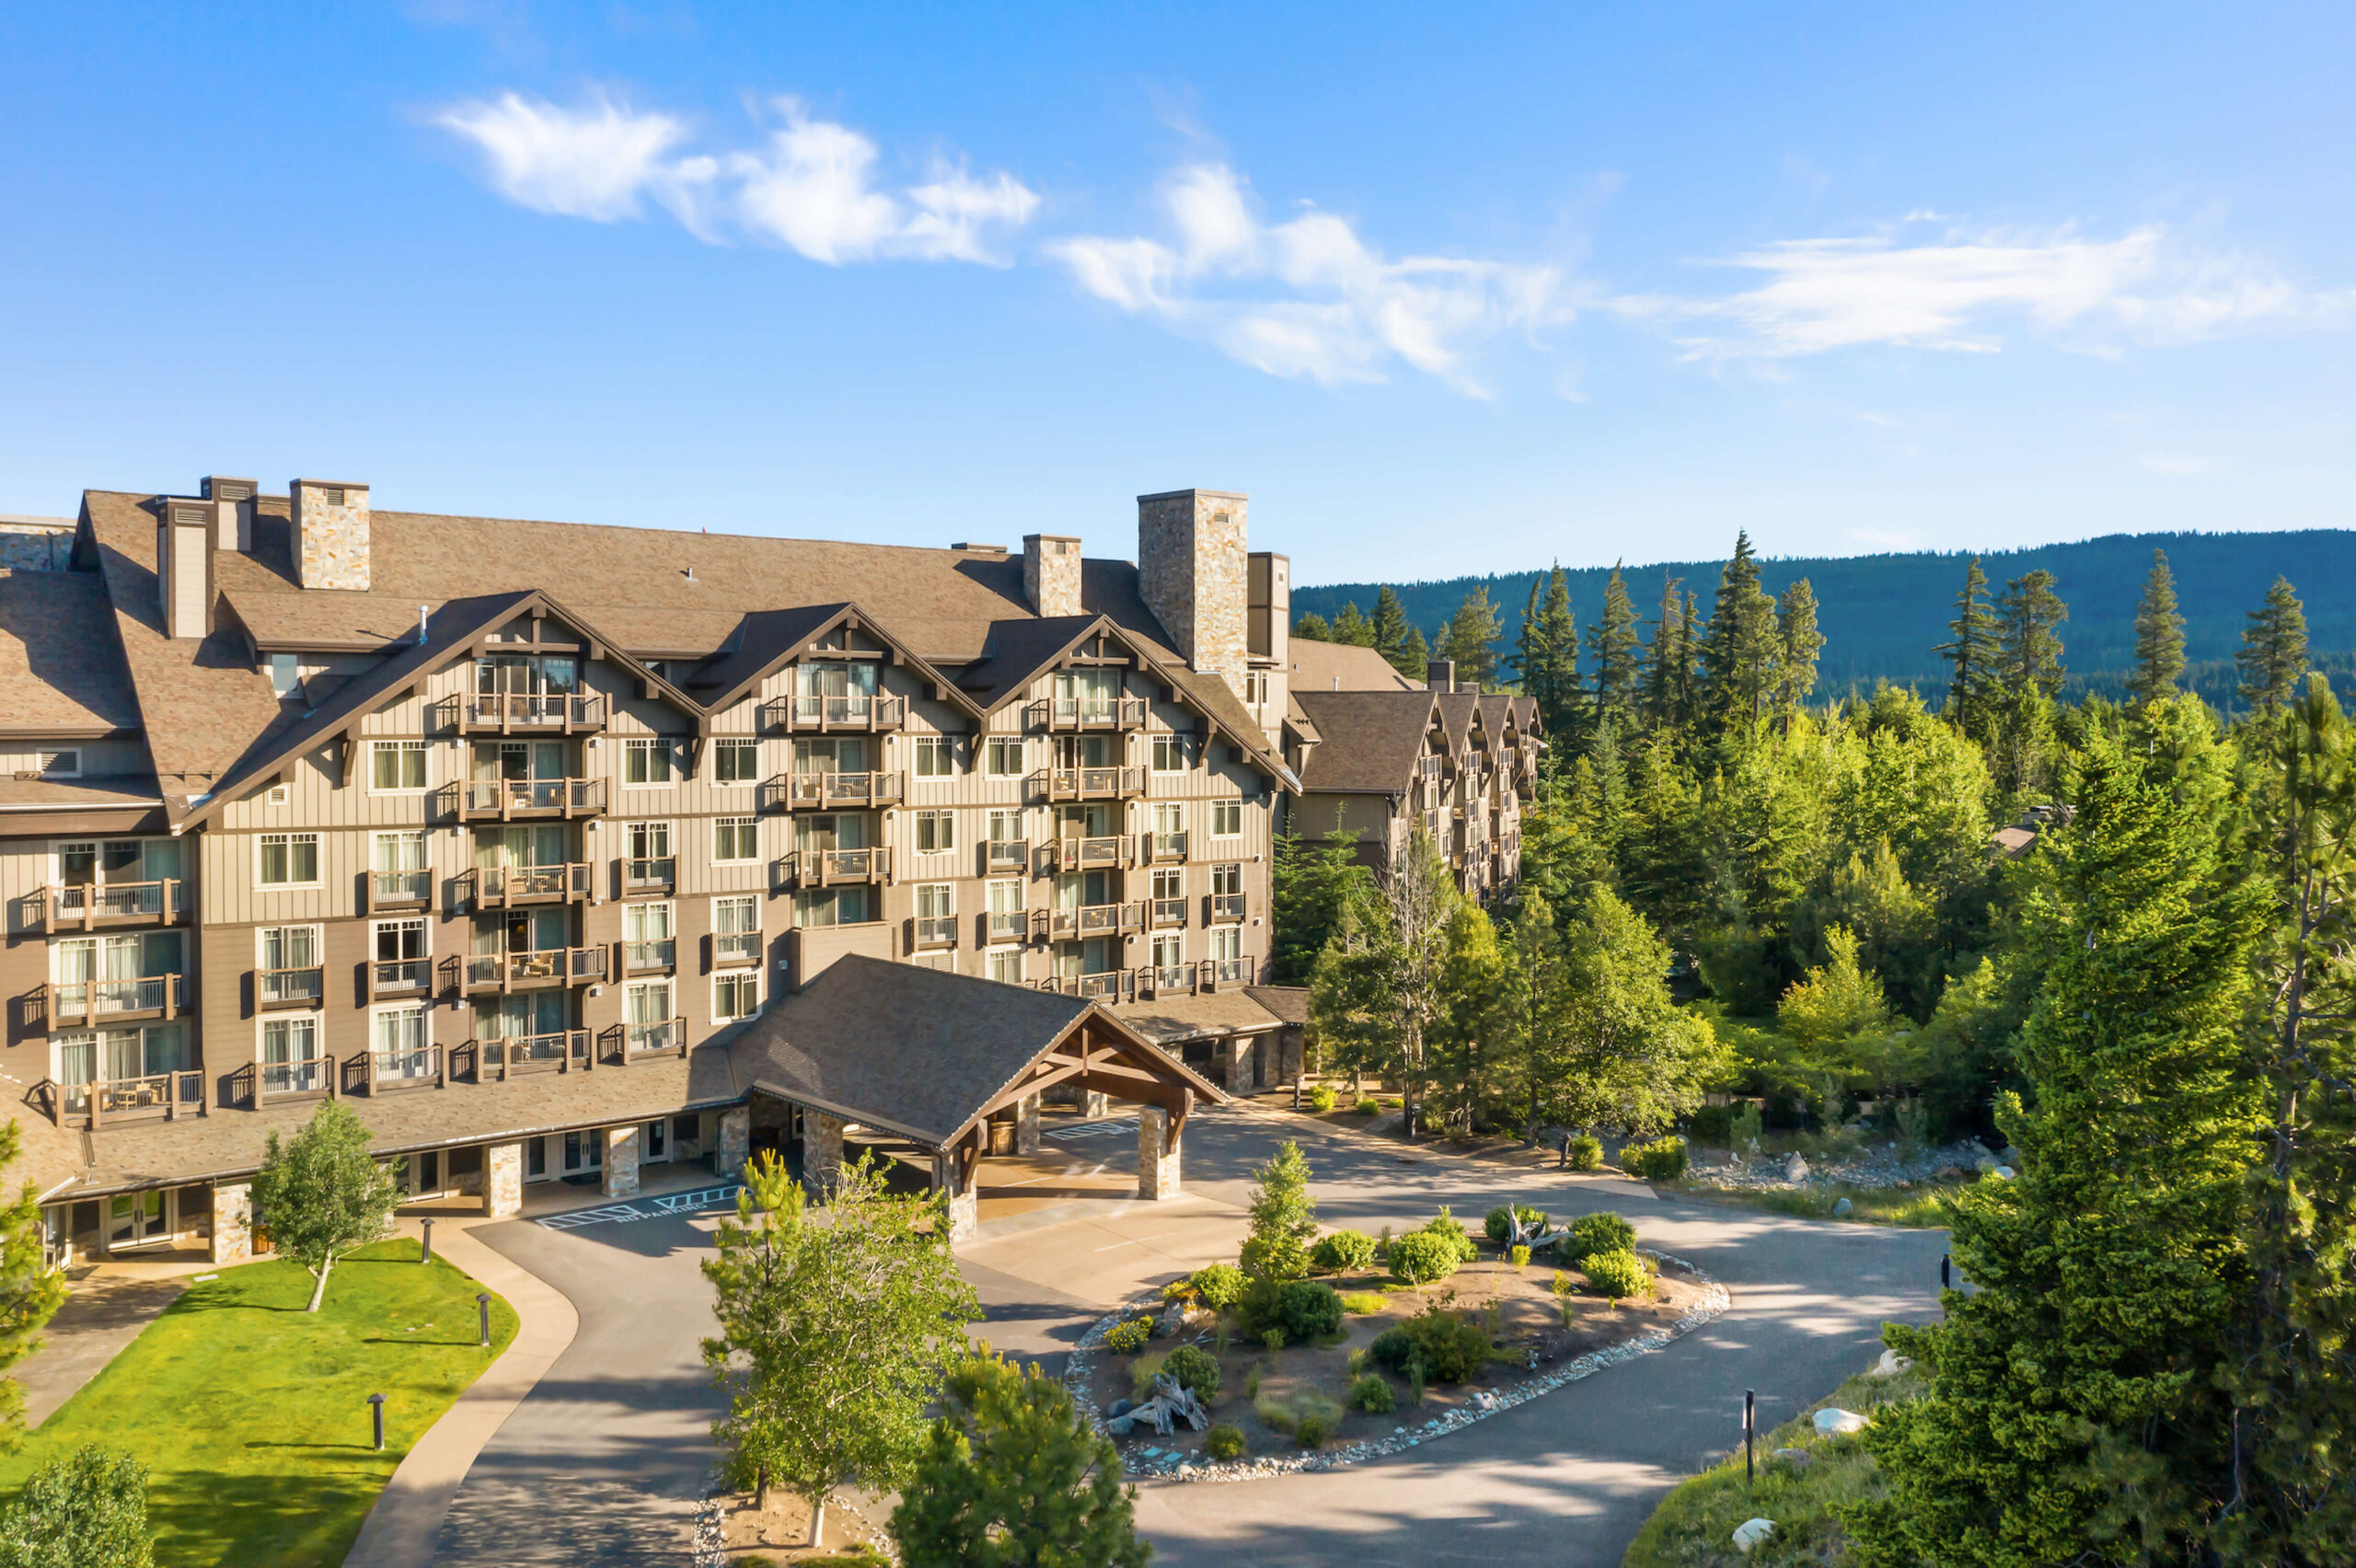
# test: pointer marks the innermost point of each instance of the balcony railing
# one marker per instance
(1113, 985)
(399, 890)
(835, 715)
(1087, 920)
(663, 1035)
(933, 931)
(544, 966)
(650, 873)
(1091, 854)
(401, 978)
(89, 1001)
(1086, 783)
(1220, 909)
(1167, 980)
(503, 800)
(1222, 973)
(1003, 855)
(1006, 924)
(1164, 848)
(736, 947)
(313, 1074)
(157, 1097)
(288, 987)
(559, 1051)
(1168, 913)
(420, 1066)
(797, 791)
(507, 712)
(649, 958)
(834, 868)
(500, 887)
(1086, 713)
(88, 905)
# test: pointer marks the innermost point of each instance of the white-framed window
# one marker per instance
(398, 852)
(1005, 757)
(1169, 881)
(736, 761)
(649, 937)
(647, 1012)
(287, 947)
(1226, 942)
(833, 906)
(1256, 687)
(647, 759)
(402, 1040)
(290, 1055)
(735, 931)
(936, 901)
(287, 860)
(62, 764)
(1006, 964)
(117, 860)
(288, 969)
(936, 832)
(1227, 878)
(403, 949)
(735, 996)
(1006, 827)
(1226, 819)
(647, 840)
(397, 768)
(286, 673)
(1169, 754)
(1168, 951)
(934, 759)
(735, 839)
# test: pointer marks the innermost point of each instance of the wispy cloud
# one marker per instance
(2180, 465)
(811, 185)
(1309, 297)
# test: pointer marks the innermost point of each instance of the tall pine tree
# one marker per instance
(1470, 639)
(1352, 628)
(2159, 636)
(1616, 654)
(1664, 662)
(1797, 642)
(1549, 657)
(2028, 614)
(1390, 633)
(1972, 657)
(2274, 650)
(1738, 651)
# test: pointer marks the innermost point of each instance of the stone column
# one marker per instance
(822, 1150)
(1157, 1166)
(233, 1237)
(621, 1161)
(1093, 1103)
(1026, 1125)
(1239, 1052)
(964, 1201)
(735, 1140)
(502, 1181)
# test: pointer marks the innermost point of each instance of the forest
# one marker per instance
(2113, 933)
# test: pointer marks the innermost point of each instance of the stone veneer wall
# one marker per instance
(330, 541)
(1194, 573)
(1157, 1165)
(1051, 573)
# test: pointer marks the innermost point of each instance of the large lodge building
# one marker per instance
(554, 850)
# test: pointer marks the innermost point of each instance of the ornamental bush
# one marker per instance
(1370, 1106)
(1518, 1257)
(1225, 1443)
(1618, 1274)
(1663, 1160)
(1372, 1394)
(1445, 1223)
(1592, 1233)
(1587, 1152)
(1217, 1286)
(1320, 1099)
(1446, 1347)
(1344, 1251)
(1312, 1432)
(1307, 1309)
(1420, 1256)
(1499, 1225)
(1128, 1339)
(1195, 1368)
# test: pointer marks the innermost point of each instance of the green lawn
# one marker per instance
(252, 1415)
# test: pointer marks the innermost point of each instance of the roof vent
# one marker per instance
(233, 503)
(980, 549)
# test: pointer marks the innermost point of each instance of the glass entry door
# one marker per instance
(139, 1220)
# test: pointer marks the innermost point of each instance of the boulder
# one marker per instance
(1891, 1363)
(1795, 1169)
(1997, 1173)
(1750, 1532)
(1122, 1407)
(1841, 1209)
(1832, 1422)
(1798, 1458)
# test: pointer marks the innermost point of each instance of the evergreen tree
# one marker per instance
(2071, 1416)
(1797, 644)
(1311, 879)
(2274, 651)
(1738, 651)
(30, 1291)
(1390, 633)
(2159, 636)
(1352, 628)
(1549, 656)
(1313, 626)
(1633, 1059)
(88, 1510)
(1284, 1218)
(2028, 612)
(1462, 1045)
(1533, 1012)
(1352, 1024)
(1972, 654)
(1617, 654)
(1470, 639)
(1665, 662)
(1415, 659)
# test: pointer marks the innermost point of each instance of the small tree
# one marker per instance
(1284, 1218)
(87, 1511)
(1012, 1478)
(322, 1196)
(832, 1335)
(30, 1291)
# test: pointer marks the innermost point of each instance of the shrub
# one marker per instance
(1394, 1104)
(1587, 1152)
(1217, 1286)
(1194, 1369)
(1372, 1395)
(1128, 1339)
(1251, 1384)
(1364, 1303)
(1179, 1290)
(1747, 1127)
(1225, 1443)
(1313, 1431)
(1370, 1106)
(1308, 1308)
(1561, 1282)
(1499, 1225)
(1320, 1099)
(1142, 1372)
(1592, 1233)
(1713, 1126)
(1420, 1256)
(1272, 1338)
(1344, 1251)
(1446, 1224)
(1518, 1257)
(1663, 1160)
(90, 1508)
(1444, 1346)
(1618, 1274)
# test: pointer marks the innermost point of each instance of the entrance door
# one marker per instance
(418, 1175)
(139, 1220)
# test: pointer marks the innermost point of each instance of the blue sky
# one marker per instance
(1445, 288)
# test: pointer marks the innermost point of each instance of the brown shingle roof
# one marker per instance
(59, 671)
(1341, 666)
(1181, 1019)
(1289, 1003)
(1373, 739)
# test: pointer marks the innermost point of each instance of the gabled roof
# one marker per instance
(59, 672)
(1342, 666)
(1460, 711)
(1374, 740)
(770, 640)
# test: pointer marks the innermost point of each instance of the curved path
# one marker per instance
(602, 1463)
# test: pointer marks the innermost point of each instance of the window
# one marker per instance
(654, 1145)
(1006, 827)
(647, 1010)
(646, 759)
(289, 860)
(399, 765)
(1166, 953)
(735, 931)
(1169, 754)
(289, 965)
(736, 762)
(735, 839)
(648, 939)
(403, 950)
(936, 901)
(118, 861)
(1256, 687)
(115, 1056)
(397, 852)
(291, 1063)
(1169, 882)
(1227, 881)
(1226, 819)
(60, 764)
(403, 1043)
(933, 760)
(649, 850)
(832, 906)
(1006, 966)
(1005, 756)
(286, 673)
(279, 795)
(735, 996)
(936, 832)
(1227, 943)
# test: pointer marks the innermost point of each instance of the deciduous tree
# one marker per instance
(88, 1510)
(322, 1196)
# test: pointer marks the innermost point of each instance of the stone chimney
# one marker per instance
(1440, 674)
(184, 567)
(331, 534)
(1051, 573)
(1193, 575)
(233, 503)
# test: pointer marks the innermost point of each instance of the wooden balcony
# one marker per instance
(1225, 973)
(834, 868)
(1167, 913)
(521, 713)
(1002, 926)
(1087, 921)
(563, 1051)
(92, 907)
(834, 715)
(400, 979)
(1073, 714)
(511, 887)
(157, 1098)
(1169, 980)
(84, 1003)
(1111, 852)
(257, 1084)
(537, 969)
(1004, 857)
(660, 957)
(832, 791)
(1113, 985)
(928, 933)
(523, 799)
(626, 1042)
(1086, 783)
(1222, 909)
(1162, 849)
(390, 1072)
(277, 989)
(733, 949)
(393, 892)
(649, 874)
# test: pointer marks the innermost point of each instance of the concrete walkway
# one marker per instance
(110, 1307)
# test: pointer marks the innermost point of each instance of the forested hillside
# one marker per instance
(1881, 615)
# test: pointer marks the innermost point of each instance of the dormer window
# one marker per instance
(286, 673)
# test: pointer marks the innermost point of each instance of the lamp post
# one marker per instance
(376, 1410)
(482, 1304)
(427, 1255)
(1750, 1424)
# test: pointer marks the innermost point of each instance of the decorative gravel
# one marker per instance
(1881, 1165)
(1145, 1461)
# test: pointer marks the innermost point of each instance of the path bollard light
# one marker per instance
(377, 1409)
(482, 1302)
(1750, 1424)
(1947, 1271)
(427, 1256)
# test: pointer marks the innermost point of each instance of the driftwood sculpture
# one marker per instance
(1530, 1233)
(1169, 1405)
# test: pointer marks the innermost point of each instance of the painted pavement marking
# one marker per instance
(625, 1214)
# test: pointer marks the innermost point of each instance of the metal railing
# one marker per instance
(155, 1096)
(290, 988)
(415, 1067)
(401, 978)
(400, 890)
(1086, 783)
(1230, 971)
(643, 958)
(507, 711)
(792, 791)
(1167, 913)
(495, 887)
(1167, 980)
(1083, 854)
(832, 867)
(80, 1001)
(1165, 846)
(934, 931)
(84, 905)
(543, 966)
(1086, 713)
(858, 714)
(663, 1034)
(1006, 855)
(309, 1076)
(1111, 985)
(736, 947)
(559, 1051)
(648, 872)
(1006, 924)
(508, 797)
(1088, 920)
(1221, 907)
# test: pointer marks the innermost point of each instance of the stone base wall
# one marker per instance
(1157, 1166)
(736, 1141)
(621, 1160)
(822, 1149)
(1026, 1125)
(233, 1237)
(502, 1181)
